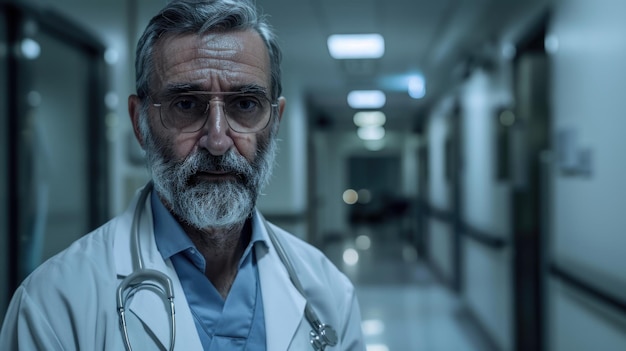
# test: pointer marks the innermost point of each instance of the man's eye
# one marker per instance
(185, 104)
(245, 103)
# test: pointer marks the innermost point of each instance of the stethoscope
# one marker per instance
(321, 335)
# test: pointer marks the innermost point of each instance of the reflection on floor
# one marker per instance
(404, 308)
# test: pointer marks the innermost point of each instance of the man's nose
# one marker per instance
(216, 136)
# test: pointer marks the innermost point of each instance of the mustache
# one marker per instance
(230, 162)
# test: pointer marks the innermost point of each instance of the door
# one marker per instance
(4, 177)
(57, 164)
(531, 139)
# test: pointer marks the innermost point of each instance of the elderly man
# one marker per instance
(192, 265)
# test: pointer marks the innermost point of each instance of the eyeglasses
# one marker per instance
(188, 112)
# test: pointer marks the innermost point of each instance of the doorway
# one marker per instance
(55, 150)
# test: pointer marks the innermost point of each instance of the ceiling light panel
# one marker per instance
(369, 119)
(371, 133)
(366, 99)
(356, 46)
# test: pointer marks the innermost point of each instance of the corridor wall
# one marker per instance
(439, 231)
(589, 198)
(486, 206)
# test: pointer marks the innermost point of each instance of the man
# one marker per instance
(207, 111)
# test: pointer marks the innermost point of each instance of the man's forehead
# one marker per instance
(243, 52)
(244, 44)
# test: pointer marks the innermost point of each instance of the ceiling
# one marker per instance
(430, 37)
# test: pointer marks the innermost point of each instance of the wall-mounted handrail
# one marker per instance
(489, 240)
(595, 290)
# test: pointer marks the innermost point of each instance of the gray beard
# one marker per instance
(204, 204)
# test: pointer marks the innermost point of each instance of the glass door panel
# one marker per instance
(4, 178)
(56, 164)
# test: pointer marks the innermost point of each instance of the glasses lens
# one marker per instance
(186, 113)
(245, 113)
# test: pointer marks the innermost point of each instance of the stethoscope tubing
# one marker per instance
(140, 277)
(321, 336)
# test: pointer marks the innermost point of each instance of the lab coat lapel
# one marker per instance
(283, 305)
(146, 305)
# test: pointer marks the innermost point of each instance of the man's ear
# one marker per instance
(134, 109)
(281, 107)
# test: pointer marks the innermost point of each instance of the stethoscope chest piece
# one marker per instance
(324, 336)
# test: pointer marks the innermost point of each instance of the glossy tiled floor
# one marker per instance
(403, 307)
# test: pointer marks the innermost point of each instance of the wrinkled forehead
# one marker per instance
(214, 58)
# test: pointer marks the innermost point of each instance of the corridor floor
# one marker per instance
(403, 306)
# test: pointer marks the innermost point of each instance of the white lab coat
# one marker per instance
(69, 302)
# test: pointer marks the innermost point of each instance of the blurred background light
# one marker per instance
(508, 51)
(350, 257)
(371, 133)
(111, 56)
(372, 327)
(363, 242)
(507, 118)
(417, 87)
(30, 49)
(551, 44)
(350, 196)
(111, 100)
(366, 99)
(369, 119)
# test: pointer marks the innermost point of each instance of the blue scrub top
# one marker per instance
(236, 323)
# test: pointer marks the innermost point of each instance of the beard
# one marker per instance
(208, 204)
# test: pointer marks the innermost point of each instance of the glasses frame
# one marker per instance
(273, 106)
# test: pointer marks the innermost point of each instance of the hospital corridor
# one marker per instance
(461, 162)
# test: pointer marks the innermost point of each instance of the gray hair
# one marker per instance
(180, 17)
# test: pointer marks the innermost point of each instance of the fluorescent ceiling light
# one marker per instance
(30, 49)
(356, 46)
(366, 99)
(371, 133)
(369, 119)
(417, 87)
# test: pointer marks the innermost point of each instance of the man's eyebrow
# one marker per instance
(171, 90)
(175, 89)
(180, 88)
(250, 88)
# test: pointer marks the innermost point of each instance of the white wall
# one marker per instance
(287, 192)
(330, 182)
(486, 206)
(589, 81)
(440, 234)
